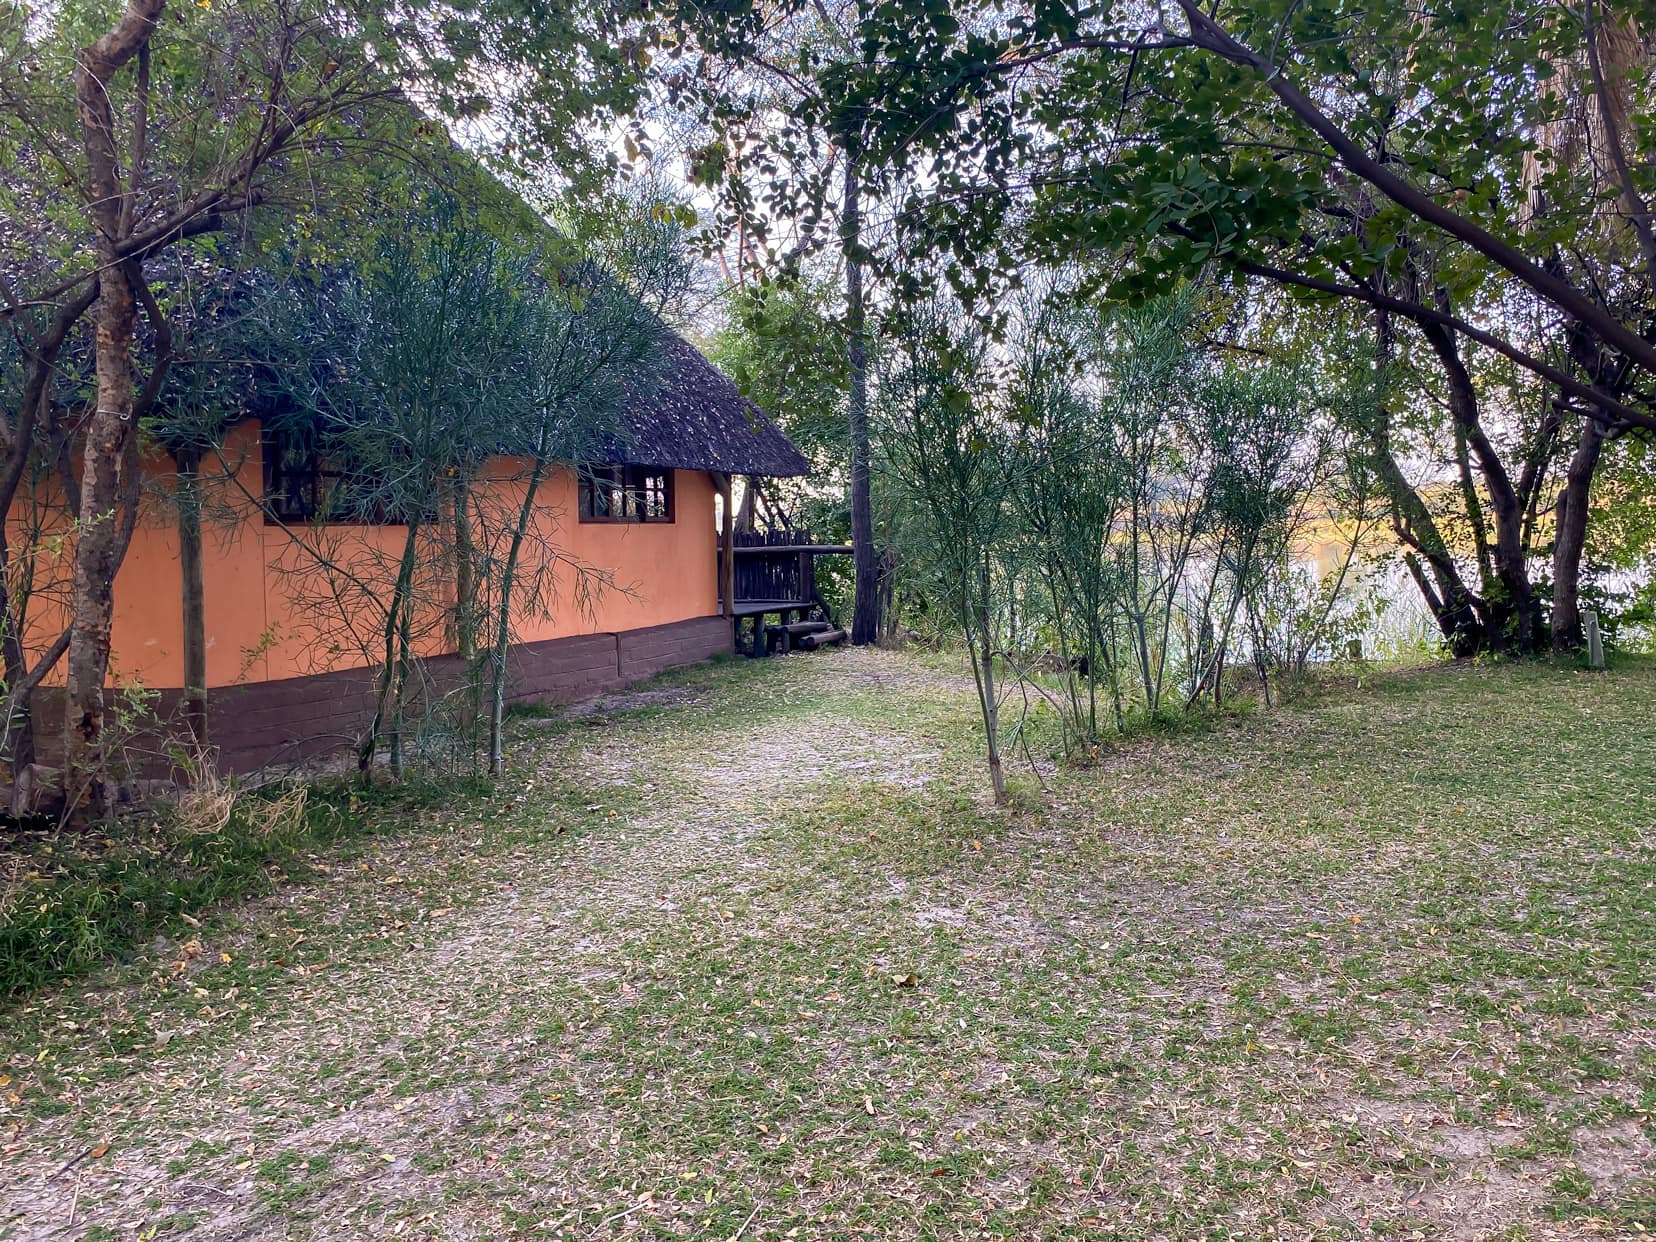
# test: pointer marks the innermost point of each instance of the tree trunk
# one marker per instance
(104, 486)
(747, 513)
(1453, 607)
(194, 606)
(387, 694)
(106, 463)
(1512, 613)
(405, 665)
(887, 610)
(727, 555)
(865, 612)
(503, 622)
(983, 656)
(41, 352)
(465, 574)
(1474, 508)
(19, 724)
(1570, 538)
(1243, 576)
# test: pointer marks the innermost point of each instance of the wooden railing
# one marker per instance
(779, 565)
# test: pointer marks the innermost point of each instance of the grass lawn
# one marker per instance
(750, 957)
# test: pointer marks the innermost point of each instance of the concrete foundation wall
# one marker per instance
(275, 723)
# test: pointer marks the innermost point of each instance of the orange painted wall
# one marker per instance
(273, 611)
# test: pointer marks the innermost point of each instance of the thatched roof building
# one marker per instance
(693, 418)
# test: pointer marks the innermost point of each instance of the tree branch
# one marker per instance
(1206, 33)
(1616, 412)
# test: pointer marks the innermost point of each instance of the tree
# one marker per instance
(1412, 161)
(441, 375)
(1072, 493)
(137, 185)
(1269, 461)
(782, 349)
(210, 384)
(125, 138)
(412, 374)
(783, 156)
(1165, 481)
(946, 452)
(592, 340)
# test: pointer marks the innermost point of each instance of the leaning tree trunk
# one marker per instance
(1512, 612)
(33, 408)
(1570, 539)
(1430, 563)
(388, 691)
(865, 612)
(19, 723)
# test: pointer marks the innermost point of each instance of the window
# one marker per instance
(626, 494)
(301, 485)
(294, 480)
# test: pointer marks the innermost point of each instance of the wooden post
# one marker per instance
(727, 544)
(1595, 640)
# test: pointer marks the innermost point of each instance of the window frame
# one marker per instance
(315, 481)
(634, 483)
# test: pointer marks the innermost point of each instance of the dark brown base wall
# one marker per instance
(275, 723)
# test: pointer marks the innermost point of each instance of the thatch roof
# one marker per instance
(692, 418)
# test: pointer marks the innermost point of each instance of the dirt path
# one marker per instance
(411, 1034)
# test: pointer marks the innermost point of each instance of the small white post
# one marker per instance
(1595, 640)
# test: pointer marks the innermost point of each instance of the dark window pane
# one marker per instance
(302, 486)
(625, 494)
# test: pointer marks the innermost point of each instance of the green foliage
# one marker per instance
(785, 350)
(131, 136)
(1161, 143)
(1141, 504)
(408, 365)
(951, 463)
(73, 901)
(1480, 175)
(443, 349)
(1623, 532)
